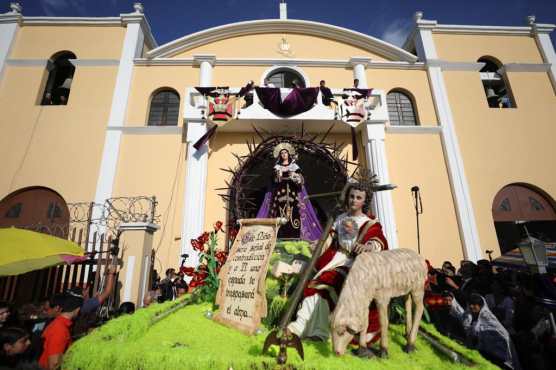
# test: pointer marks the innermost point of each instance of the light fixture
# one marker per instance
(533, 251)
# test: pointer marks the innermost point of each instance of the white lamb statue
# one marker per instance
(379, 276)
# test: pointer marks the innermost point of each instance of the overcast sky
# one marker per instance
(389, 20)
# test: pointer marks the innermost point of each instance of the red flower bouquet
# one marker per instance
(204, 278)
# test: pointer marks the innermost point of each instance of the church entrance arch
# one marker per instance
(321, 167)
(39, 209)
(523, 202)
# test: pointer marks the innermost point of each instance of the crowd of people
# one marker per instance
(171, 287)
(37, 336)
(506, 314)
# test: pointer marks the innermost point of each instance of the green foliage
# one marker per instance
(278, 289)
(188, 340)
(275, 311)
(295, 247)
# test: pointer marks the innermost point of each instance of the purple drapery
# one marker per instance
(311, 229)
(299, 100)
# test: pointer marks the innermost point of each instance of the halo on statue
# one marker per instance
(281, 146)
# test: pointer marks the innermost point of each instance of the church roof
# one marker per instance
(340, 34)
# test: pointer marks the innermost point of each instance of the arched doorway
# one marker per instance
(522, 202)
(321, 167)
(38, 209)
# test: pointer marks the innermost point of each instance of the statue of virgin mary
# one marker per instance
(287, 198)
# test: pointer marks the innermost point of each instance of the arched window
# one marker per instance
(519, 204)
(495, 84)
(165, 107)
(400, 109)
(284, 77)
(60, 76)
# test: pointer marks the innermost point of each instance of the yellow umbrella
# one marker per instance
(23, 251)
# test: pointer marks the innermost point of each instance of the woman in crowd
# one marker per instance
(484, 332)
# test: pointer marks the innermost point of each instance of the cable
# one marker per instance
(165, 214)
(27, 149)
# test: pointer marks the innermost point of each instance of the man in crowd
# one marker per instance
(91, 304)
(57, 335)
(327, 97)
(167, 287)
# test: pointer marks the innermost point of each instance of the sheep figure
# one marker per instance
(379, 276)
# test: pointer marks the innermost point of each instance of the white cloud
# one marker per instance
(397, 31)
(54, 7)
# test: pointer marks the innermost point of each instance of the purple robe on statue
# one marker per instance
(311, 229)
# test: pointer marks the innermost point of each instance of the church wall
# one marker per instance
(503, 146)
(267, 46)
(417, 159)
(86, 42)
(235, 76)
(147, 80)
(154, 164)
(414, 82)
(469, 48)
(58, 146)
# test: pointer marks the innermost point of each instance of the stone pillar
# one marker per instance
(9, 24)
(544, 43)
(375, 151)
(196, 171)
(359, 65)
(426, 50)
(136, 245)
(132, 48)
(205, 62)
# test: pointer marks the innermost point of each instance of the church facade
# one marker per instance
(94, 108)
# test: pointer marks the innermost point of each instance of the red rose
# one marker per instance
(221, 257)
(194, 284)
(218, 226)
(204, 237)
(187, 270)
(197, 245)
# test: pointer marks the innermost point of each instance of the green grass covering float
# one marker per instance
(189, 339)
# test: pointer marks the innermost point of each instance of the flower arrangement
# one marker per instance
(204, 278)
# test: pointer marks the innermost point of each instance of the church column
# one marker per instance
(375, 151)
(542, 37)
(9, 24)
(426, 50)
(359, 65)
(196, 170)
(132, 48)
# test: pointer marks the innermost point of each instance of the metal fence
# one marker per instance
(92, 226)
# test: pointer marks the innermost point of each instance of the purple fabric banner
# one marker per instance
(310, 226)
(299, 100)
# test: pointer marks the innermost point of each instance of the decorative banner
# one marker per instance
(241, 295)
(221, 108)
(353, 106)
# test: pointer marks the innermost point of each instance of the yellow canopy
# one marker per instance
(23, 251)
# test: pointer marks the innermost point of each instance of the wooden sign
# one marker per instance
(241, 295)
